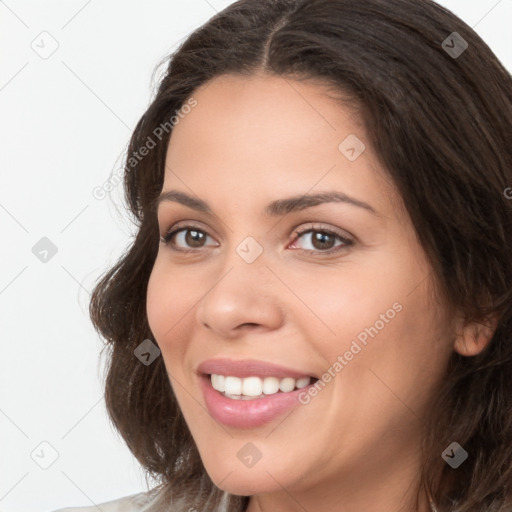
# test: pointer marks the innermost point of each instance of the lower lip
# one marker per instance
(247, 413)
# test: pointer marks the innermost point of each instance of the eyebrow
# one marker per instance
(275, 208)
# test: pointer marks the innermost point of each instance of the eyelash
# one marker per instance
(166, 239)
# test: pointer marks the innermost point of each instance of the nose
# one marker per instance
(245, 296)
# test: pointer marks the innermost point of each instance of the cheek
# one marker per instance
(168, 299)
(339, 306)
(167, 305)
(158, 300)
(384, 318)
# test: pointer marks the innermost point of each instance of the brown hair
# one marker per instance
(441, 124)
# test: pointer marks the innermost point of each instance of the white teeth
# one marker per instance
(300, 383)
(233, 386)
(218, 382)
(254, 387)
(270, 385)
(287, 384)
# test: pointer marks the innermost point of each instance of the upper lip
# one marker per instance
(248, 368)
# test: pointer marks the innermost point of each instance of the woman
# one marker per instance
(315, 313)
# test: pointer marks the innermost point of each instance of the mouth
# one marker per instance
(248, 394)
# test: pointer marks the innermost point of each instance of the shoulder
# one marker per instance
(133, 503)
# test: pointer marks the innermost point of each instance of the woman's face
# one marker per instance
(347, 301)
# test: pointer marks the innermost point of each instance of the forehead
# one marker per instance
(257, 109)
(268, 131)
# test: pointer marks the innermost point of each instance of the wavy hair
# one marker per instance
(441, 124)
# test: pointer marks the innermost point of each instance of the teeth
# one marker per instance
(255, 387)
(270, 385)
(218, 382)
(233, 386)
(251, 386)
(287, 385)
(303, 382)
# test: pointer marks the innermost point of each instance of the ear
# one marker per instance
(473, 337)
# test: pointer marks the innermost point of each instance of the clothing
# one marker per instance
(149, 501)
(133, 503)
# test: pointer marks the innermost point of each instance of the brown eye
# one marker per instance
(323, 240)
(185, 238)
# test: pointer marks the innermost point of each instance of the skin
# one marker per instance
(249, 141)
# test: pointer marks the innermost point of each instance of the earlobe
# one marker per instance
(474, 336)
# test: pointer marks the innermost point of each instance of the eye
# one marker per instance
(322, 240)
(189, 236)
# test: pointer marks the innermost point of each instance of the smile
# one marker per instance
(249, 393)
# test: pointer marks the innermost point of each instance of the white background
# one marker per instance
(65, 122)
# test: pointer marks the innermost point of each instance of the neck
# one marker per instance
(388, 488)
(292, 502)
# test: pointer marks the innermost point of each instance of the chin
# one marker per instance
(242, 481)
(247, 486)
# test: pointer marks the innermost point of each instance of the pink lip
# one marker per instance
(247, 413)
